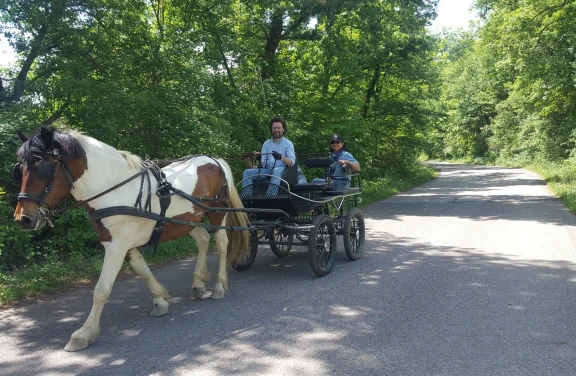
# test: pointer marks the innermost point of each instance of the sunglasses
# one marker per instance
(335, 142)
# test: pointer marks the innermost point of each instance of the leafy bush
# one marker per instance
(16, 245)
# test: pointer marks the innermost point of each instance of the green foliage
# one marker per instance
(509, 93)
(16, 245)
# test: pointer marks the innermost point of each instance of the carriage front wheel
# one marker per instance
(354, 234)
(248, 260)
(322, 245)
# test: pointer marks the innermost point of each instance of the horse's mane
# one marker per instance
(68, 142)
(132, 159)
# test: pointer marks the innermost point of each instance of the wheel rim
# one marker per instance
(355, 235)
(323, 245)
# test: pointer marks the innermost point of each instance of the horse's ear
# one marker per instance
(21, 135)
(47, 136)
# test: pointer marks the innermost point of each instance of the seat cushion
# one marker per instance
(312, 186)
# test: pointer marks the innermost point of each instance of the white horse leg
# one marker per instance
(201, 274)
(159, 293)
(221, 285)
(88, 333)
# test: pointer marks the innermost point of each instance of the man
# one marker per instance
(277, 154)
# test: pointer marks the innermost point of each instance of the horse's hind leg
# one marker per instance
(201, 275)
(159, 293)
(221, 285)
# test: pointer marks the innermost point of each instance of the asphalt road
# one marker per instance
(471, 274)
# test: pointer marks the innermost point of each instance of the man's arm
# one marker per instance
(350, 161)
(289, 156)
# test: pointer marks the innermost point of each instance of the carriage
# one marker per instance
(310, 215)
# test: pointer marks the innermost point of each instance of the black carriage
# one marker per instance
(310, 215)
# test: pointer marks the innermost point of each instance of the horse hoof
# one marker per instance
(160, 309)
(217, 293)
(76, 344)
(198, 292)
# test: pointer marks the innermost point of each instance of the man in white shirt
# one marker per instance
(277, 154)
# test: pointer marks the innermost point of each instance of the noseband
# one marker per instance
(45, 171)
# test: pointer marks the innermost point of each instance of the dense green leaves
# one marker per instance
(510, 92)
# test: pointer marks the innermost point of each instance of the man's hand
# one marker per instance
(276, 155)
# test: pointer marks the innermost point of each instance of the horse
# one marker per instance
(55, 163)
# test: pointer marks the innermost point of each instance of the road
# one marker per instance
(473, 273)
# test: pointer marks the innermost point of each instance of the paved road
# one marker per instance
(471, 274)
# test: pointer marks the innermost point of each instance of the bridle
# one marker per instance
(45, 171)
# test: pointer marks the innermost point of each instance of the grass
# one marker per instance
(560, 178)
(56, 275)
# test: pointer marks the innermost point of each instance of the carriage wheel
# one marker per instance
(354, 234)
(322, 245)
(246, 262)
(281, 250)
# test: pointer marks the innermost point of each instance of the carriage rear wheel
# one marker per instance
(354, 234)
(322, 245)
(247, 261)
(281, 250)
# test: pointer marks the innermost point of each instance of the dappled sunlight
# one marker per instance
(347, 311)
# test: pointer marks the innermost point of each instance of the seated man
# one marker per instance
(277, 153)
(343, 158)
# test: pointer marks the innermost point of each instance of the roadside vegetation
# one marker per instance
(507, 92)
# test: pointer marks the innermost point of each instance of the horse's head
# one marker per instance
(49, 165)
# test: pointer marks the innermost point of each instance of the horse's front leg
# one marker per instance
(88, 333)
(159, 293)
(201, 274)
(221, 285)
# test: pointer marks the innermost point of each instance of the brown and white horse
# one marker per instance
(54, 164)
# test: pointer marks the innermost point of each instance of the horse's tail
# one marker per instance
(239, 241)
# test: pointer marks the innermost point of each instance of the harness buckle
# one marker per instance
(44, 214)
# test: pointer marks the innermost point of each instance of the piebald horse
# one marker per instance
(54, 164)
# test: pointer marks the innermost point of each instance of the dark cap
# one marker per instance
(336, 137)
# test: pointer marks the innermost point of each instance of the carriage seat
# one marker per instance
(312, 186)
(328, 162)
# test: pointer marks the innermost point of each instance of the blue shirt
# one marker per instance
(339, 173)
(284, 147)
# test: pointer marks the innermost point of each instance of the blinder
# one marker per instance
(46, 170)
(17, 174)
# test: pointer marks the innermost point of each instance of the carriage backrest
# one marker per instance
(324, 162)
(290, 174)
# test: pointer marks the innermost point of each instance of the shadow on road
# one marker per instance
(278, 318)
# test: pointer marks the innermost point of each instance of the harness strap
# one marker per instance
(84, 202)
(163, 193)
(136, 212)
